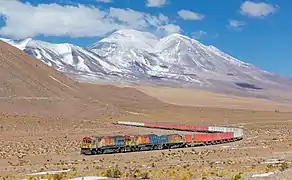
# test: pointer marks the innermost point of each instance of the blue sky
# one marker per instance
(258, 31)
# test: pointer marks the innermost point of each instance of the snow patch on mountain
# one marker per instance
(64, 57)
(135, 56)
(129, 38)
(20, 44)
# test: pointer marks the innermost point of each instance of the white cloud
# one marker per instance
(156, 3)
(235, 23)
(199, 34)
(259, 9)
(127, 16)
(104, 1)
(25, 20)
(189, 15)
(169, 29)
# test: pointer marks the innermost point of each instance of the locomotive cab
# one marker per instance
(88, 144)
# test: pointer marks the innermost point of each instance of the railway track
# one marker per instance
(195, 136)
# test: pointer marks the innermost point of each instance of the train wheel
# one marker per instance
(94, 152)
(122, 150)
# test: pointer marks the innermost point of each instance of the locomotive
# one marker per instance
(128, 143)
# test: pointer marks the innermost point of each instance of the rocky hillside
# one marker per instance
(30, 87)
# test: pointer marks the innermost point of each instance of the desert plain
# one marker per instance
(44, 115)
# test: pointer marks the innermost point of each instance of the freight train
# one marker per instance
(119, 144)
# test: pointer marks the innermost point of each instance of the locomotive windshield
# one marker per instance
(87, 141)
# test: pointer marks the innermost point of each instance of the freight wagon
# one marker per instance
(119, 144)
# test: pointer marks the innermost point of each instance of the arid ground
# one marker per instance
(32, 144)
(44, 115)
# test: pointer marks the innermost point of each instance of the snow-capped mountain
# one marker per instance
(130, 55)
(64, 57)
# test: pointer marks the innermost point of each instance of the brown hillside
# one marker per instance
(24, 76)
(28, 86)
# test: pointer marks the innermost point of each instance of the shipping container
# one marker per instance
(177, 127)
(159, 126)
(190, 127)
(150, 125)
(238, 133)
(130, 123)
(172, 126)
(215, 136)
(167, 126)
(198, 137)
(180, 127)
(207, 137)
(188, 138)
(201, 128)
(214, 129)
(119, 140)
(227, 135)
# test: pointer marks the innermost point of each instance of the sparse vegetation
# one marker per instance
(113, 173)
(219, 174)
(283, 166)
(184, 176)
(145, 175)
(186, 161)
(269, 167)
(237, 176)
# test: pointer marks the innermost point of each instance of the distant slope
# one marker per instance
(198, 98)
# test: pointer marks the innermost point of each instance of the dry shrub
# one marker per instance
(237, 176)
(284, 166)
(113, 173)
(145, 175)
(184, 176)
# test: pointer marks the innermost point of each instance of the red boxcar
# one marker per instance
(213, 136)
(161, 126)
(201, 128)
(178, 126)
(189, 127)
(200, 137)
(217, 136)
(150, 125)
(227, 135)
(188, 138)
(173, 126)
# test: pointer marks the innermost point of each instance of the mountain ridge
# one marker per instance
(30, 87)
(140, 57)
